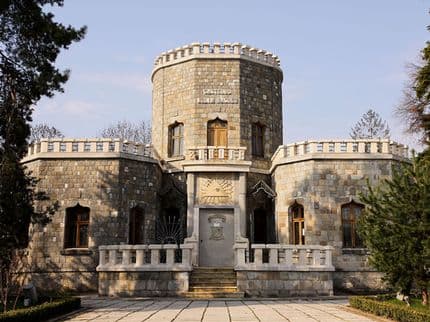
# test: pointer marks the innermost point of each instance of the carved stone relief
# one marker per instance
(216, 227)
(215, 189)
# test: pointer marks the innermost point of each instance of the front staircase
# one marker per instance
(213, 282)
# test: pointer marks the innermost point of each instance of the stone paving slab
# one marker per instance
(220, 310)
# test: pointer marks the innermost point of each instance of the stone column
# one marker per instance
(190, 203)
(242, 203)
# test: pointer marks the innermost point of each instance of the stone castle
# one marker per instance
(216, 205)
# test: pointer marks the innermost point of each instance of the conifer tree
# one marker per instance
(395, 226)
(30, 41)
(370, 126)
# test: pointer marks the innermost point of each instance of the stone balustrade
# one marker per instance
(341, 148)
(86, 147)
(114, 258)
(216, 50)
(216, 153)
(280, 257)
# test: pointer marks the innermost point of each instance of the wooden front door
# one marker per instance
(217, 133)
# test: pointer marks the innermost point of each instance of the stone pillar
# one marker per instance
(242, 204)
(190, 203)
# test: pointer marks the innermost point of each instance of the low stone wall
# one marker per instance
(358, 281)
(284, 284)
(143, 283)
(65, 281)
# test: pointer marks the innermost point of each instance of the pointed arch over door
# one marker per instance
(217, 133)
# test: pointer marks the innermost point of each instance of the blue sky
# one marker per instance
(339, 58)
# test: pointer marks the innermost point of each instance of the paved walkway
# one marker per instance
(136, 310)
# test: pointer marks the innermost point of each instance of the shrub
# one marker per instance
(377, 306)
(43, 311)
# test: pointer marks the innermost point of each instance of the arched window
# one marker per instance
(76, 227)
(258, 139)
(136, 226)
(298, 223)
(176, 140)
(217, 133)
(351, 212)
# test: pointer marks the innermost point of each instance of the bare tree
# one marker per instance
(370, 126)
(44, 131)
(414, 109)
(125, 130)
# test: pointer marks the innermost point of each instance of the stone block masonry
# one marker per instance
(109, 187)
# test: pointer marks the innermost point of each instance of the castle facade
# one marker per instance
(216, 190)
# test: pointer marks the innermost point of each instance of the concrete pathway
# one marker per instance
(184, 310)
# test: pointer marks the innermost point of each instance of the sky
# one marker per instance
(339, 58)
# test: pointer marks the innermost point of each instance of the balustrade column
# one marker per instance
(102, 256)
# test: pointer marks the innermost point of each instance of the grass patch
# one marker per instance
(415, 304)
(392, 308)
(42, 312)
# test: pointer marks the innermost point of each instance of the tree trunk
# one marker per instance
(425, 296)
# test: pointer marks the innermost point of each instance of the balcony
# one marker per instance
(216, 158)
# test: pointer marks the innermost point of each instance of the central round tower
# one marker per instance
(221, 95)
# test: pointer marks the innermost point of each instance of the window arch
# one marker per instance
(351, 212)
(258, 130)
(76, 227)
(176, 140)
(298, 223)
(217, 133)
(136, 226)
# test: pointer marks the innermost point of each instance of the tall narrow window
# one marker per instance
(136, 226)
(176, 140)
(258, 139)
(351, 212)
(217, 133)
(76, 228)
(298, 223)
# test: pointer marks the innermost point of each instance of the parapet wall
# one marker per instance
(215, 51)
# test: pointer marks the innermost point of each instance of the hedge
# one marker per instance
(392, 311)
(43, 311)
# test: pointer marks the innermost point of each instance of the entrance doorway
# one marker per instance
(136, 226)
(262, 227)
(216, 230)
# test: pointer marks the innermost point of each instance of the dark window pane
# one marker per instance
(297, 233)
(83, 235)
(347, 235)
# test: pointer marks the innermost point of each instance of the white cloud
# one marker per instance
(125, 80)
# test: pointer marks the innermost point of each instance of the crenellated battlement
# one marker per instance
(215, 51)
(340, 149)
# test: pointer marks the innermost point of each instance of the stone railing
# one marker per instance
(344, 148)
(216, 50)
(216, 153)
(277, 257)
(144, 258)
(76, 147)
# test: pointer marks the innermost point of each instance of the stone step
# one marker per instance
(211, 295)
(227, 289)
(212, 277)
(213, 281)
(214, 269)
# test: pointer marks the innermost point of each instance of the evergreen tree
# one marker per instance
(30, 42)
(395, 226)
(370, 126)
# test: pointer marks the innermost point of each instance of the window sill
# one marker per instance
(177, 158)
(76, 252)
(355, 251)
